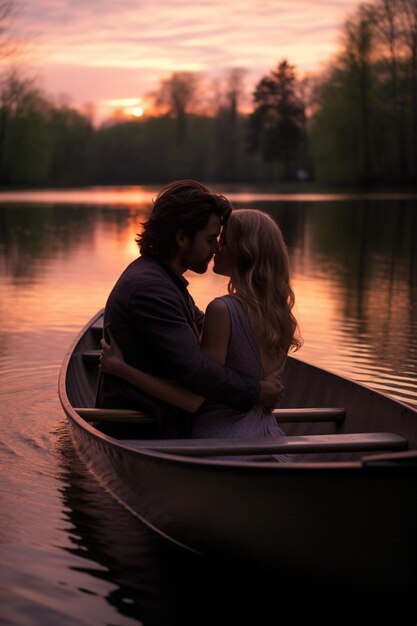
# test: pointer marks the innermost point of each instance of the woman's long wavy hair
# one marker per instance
(260, 277)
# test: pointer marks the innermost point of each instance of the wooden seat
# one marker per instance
(352, 442)
(314, 414)
(282, 415)
(122, 416)
(91, 356)
(349, 442)
(97, 327)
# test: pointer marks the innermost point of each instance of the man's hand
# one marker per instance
(271, 390)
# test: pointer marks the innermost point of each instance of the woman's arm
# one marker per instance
(216, 331)
(215, 344)
(112, 362)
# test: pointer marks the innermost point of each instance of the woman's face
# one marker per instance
(223, 261)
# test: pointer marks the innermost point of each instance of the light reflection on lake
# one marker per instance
(133, 196)
(354, 268)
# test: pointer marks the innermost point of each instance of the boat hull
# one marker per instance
(330, 525)
(346, 526)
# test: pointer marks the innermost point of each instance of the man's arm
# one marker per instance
(157, 310)
(112, 362)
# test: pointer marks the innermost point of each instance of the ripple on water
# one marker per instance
(7, 449)
(51, 589)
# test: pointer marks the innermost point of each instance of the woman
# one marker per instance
(250, 330)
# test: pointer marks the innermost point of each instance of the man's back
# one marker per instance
(144, 306)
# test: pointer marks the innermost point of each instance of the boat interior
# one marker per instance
(325, 417)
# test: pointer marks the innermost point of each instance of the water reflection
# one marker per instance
(367, 250)
(57, 262)
(70, 554)
(353, 265)
(92, 196)
(103, 533)
(152, 581)
(30, 234)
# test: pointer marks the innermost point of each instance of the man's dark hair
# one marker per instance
(186, 206)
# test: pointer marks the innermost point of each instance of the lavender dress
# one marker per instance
(216, 421)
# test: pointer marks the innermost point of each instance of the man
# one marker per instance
(156, 323)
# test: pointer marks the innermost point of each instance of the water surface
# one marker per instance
(68, 553)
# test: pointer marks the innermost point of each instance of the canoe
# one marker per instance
(339, 515)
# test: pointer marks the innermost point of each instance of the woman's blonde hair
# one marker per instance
(260, 277)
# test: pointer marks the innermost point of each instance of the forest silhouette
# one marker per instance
(354, 124)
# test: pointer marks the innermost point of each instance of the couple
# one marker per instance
(159, 357)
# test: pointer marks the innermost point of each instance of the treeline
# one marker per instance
(354, 124)
(42, 143)
(363, 126)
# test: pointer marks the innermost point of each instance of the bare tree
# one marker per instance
(408, 16)
(386, 20)
(359, 35)
(234, 90)
(20, 94)
(7, 12)
(230, 93)
(179, 94)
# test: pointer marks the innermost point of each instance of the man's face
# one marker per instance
(196, 253)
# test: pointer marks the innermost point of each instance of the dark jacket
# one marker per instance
(157, 325)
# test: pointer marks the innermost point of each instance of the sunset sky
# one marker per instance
(113, 52)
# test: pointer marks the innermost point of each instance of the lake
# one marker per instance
(71, 555)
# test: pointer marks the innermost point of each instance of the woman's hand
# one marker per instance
(111, 357)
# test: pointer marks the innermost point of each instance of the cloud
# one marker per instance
(136, 42)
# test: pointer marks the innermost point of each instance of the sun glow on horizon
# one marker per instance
(121, 108)
(138, 111)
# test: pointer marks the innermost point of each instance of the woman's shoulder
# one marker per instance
(227, 300)
(224, 304)
(217, 306)
(216, 330)
(226, 309)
